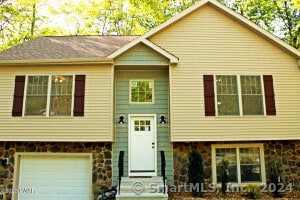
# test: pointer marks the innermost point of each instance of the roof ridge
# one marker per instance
(87, 36)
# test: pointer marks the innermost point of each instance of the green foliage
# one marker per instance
(281, 17)
(135, 16)
(196, 173)
(21, 20)
(224, 176)
(252, 191)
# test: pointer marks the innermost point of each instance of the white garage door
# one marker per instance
(54, 177)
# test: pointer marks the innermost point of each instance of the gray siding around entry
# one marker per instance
(160, 107)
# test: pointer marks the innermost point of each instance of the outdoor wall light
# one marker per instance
(3, 162)
(162, 119)
(121, 120)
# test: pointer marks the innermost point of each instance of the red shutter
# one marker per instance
(18, 96)
(79, 95)
(209, 95)
(269, 95)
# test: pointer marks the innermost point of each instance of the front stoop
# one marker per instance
(142, 188)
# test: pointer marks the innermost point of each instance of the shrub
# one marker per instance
(252, 191)
(196, 173)
(224, 177)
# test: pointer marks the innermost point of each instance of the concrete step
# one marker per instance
(143, 196)
(129, 180)
(142, 188)
(138, 188)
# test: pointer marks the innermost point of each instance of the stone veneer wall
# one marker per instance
(285, 153)
(181, 153)
(102, 161)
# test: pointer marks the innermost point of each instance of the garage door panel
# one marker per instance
(55, 177)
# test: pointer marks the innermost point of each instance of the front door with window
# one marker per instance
(142, 145)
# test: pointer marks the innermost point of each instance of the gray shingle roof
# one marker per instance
(66, 47)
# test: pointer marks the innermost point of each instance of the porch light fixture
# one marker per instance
(162, 119)
(3, 162)
(121, 120)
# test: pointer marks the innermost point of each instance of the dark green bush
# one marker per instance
(196, 173)
(224, 177)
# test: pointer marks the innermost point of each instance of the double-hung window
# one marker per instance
(231, 95)
(239, 95)
(245, 163)
(36, 96)
(227, 95)
(61, 95)
(252, 96)
(49, 95)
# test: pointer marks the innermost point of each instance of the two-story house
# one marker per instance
(76, 110)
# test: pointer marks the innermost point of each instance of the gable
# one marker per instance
(210, 35)
(222, 10)
(209, 42)
(141, 55)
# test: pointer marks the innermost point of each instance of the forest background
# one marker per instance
(22, 20)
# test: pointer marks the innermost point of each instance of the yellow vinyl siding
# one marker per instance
(209, 42)
(95, 125)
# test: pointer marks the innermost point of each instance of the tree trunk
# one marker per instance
(33, 19)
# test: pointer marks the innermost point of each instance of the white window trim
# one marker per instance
(239, 89)
(236, 146)
(153, 90)
(48, 96)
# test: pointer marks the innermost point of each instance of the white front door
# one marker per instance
(142, 145)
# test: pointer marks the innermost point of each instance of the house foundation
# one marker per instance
(286, 155)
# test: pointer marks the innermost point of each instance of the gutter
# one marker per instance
(47, 62)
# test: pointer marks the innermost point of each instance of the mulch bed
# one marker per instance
(293, 195)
